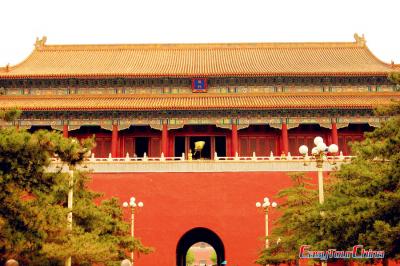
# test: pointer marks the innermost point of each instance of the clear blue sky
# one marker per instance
(175, 21)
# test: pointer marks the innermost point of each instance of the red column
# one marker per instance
(65, 131)
(285, 139)
(114, 141)
(164, 140)
(335, 138)
(234, 139)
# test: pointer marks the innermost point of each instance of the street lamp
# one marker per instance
(266, 205)
(132, 204)
(68, 261)
(318, 154)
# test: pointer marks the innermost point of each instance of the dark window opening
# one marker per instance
(141, 146)
(36, 128)
(220, 146)
(179, 146)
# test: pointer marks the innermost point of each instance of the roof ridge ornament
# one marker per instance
(360, 41)
(40, 43)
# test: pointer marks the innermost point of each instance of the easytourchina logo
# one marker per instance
(358, 252)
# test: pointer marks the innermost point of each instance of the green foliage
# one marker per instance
(10, 115)
(394, 77)
(361, 202)
(100, 234)
(189, 258)
(298, 203)
(213, 257)
(364, 204)
(33, 200)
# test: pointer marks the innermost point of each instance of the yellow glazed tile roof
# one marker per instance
(198, 60)
(199, 101)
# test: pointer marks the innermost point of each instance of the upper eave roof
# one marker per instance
(199, 60)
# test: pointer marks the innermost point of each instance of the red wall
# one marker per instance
(174, 203)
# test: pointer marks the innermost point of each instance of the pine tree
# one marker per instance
(395, 77)
(361, 202)
(290, 230)
(363, 206)
(33, 224)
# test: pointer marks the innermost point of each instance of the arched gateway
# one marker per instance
(195, 235)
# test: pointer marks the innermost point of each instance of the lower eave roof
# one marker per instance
(199, 102)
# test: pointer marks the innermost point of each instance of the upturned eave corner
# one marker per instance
(360, 40)
(40, 43)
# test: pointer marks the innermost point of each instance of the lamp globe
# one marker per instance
(303, 149)
(318, 140)
(333, 148)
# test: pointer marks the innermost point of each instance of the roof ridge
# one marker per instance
(202, 46)
(360, 42)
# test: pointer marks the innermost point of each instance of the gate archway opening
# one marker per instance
(196, 235)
